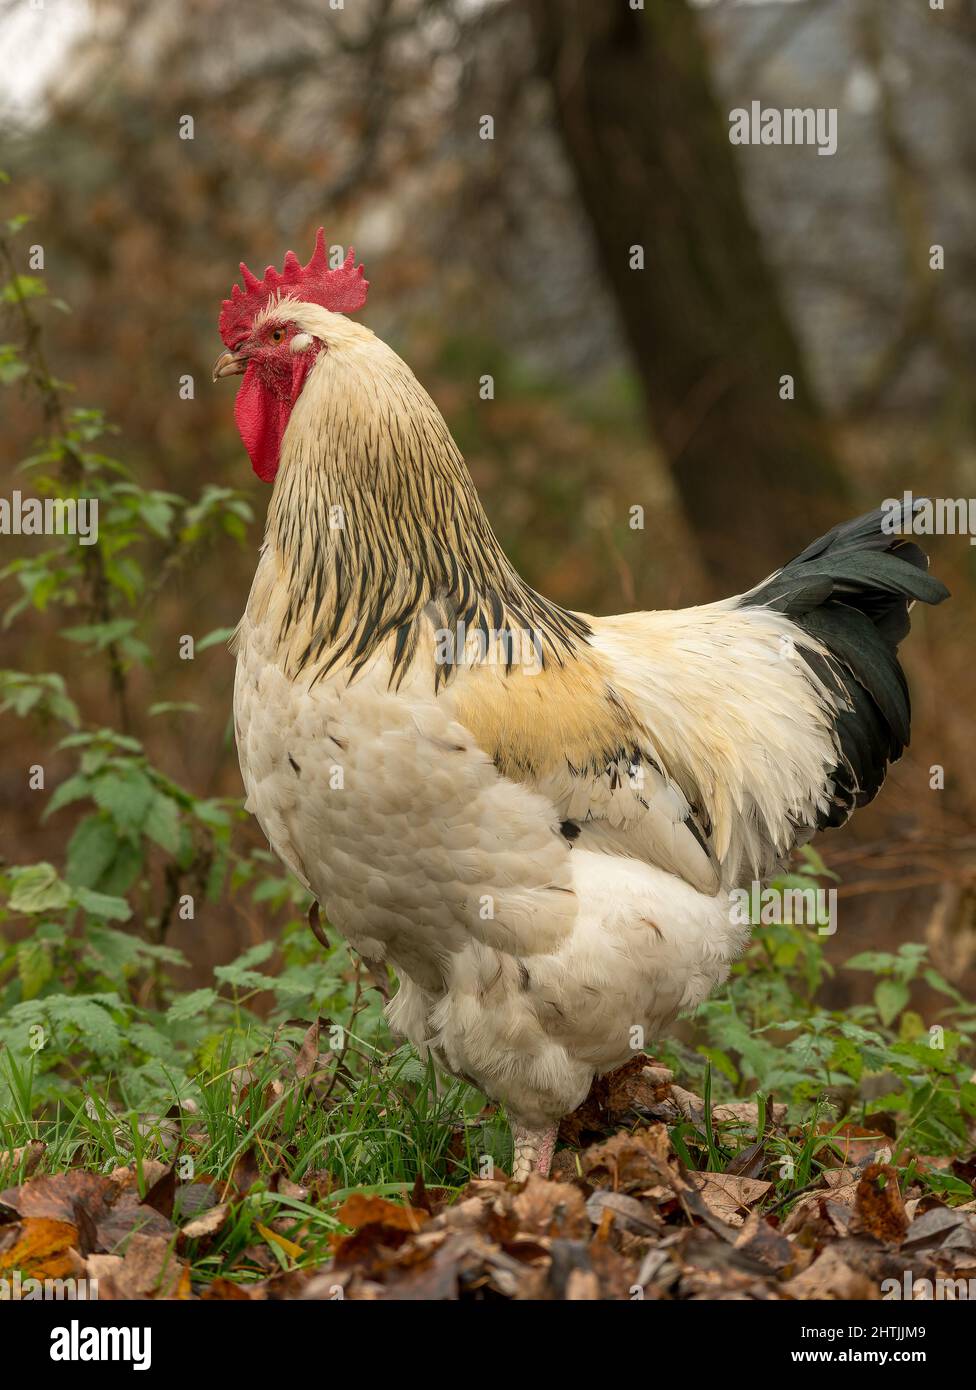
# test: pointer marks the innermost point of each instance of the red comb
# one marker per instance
(342, 290)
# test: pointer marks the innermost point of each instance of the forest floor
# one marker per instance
(653, 1195)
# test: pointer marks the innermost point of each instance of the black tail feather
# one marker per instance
(851, 591)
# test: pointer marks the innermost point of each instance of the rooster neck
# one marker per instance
(377, 540)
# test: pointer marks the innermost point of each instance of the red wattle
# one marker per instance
(262, 410)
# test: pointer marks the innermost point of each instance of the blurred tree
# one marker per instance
(711, 342)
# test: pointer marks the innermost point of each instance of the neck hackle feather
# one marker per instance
(382, 538)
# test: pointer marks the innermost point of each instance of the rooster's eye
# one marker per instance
(277, 335)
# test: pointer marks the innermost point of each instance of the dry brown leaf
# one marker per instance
(658, 1075)
(617, 1274)
(149, 1269)
(831, 1277)
(162, 1194)
(379, 1229)
(839, 1214)
(610, 1100)
(29, 1155)
(631, 1162)
(582, 1286)
(306, 1059)
(728, 1196)
(940, 1229)
(208, 1223)
(692, 1107)
(747, 1112)
(628, 1212)
(362, 1209)
(106, 1212)
(762, 1241)
(545, 1208)
(101, 1267)
(150, 1171)
(807, 1215)
(38, 1246)
(841, 1178)
(55, 1195)
(878, 1204)
(245, 1172)
(194, 1198)
(857, 1144)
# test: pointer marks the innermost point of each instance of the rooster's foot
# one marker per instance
(533, 1150)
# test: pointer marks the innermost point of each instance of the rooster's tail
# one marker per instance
(852, 591)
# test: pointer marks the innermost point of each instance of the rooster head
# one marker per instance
(274, 330)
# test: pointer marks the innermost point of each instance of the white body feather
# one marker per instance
(526, 962)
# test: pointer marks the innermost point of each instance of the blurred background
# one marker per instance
(513, 256)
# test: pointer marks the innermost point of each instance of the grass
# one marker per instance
(286, 1150)
(264, 1141)
(379, 1132)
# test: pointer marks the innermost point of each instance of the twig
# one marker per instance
(72, 470)
(358, 1004)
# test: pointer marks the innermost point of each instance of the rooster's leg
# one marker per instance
(533, 1150)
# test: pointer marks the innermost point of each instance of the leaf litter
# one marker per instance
(623, 1216)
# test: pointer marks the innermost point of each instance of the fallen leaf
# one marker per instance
(105, 1211)
(631, 1162)
(728, 1196)
(55, 1195)
(689, 1105)
(856, 1144)
(149, 1269)
(361, 1209)
(245, 1173)
(555, 1209)
(942, 1228)
(100, 1267)
(830, 1277)
(628, 1211)
(582, 1286)
(306, 1059)
(748, 1162)
(282, 1242)
(25, 1159)
(38, 1246)
(162, 1194)
(763, 1242)
(379, 1228)
(878, 1204)
(192, 1199)
(207, 1224)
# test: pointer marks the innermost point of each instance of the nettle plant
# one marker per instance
(89, 986)
(873, 1068)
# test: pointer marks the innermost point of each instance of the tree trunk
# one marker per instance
(650, 149)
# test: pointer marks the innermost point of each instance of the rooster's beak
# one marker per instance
(228, 364)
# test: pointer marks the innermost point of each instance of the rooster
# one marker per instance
(538, 818)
